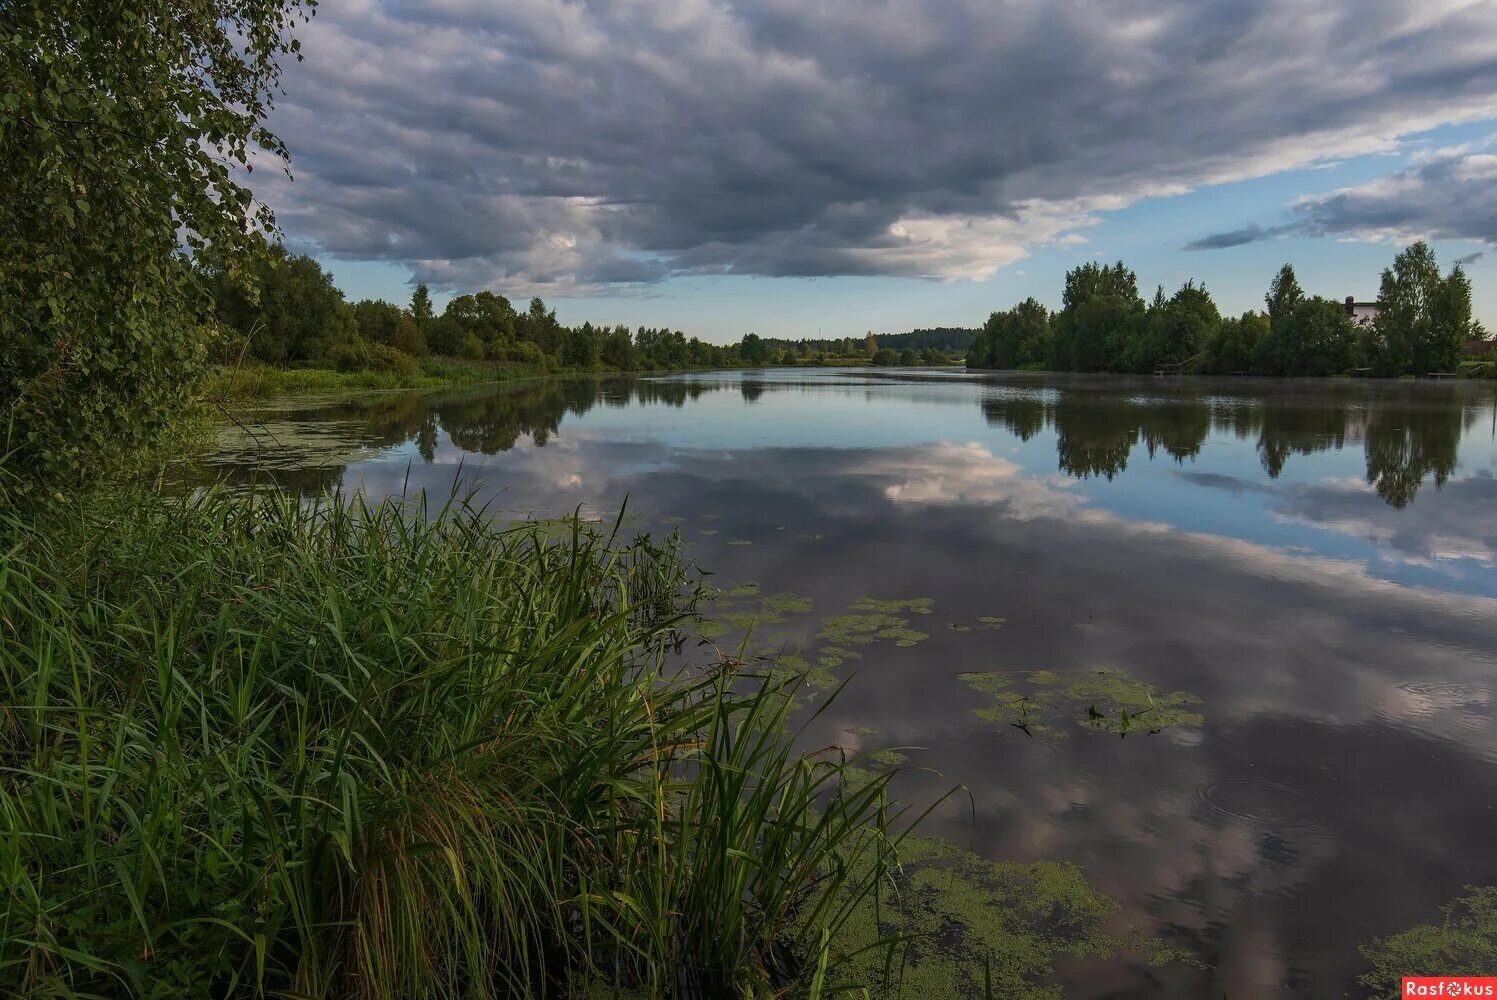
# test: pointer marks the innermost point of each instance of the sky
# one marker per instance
(802, 169)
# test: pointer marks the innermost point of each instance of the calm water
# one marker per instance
(1315, 561)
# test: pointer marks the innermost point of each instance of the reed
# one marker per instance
(256, 747)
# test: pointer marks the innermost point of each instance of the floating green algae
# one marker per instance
(786, 666)
(741, 620)
(742, 609)
(739, 541)
(787, 604)
(870, 766)
(966, 924)
(886, 758)
(860, 630)
(914, 605)
(1104, 700)
(1464, 943)
(706, 531)
(832, 657)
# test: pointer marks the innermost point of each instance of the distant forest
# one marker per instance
(947, 339)
(942, 338)
(287, 311)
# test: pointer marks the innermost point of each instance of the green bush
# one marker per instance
(119, 142)
(359, 355)
(524, 352)
(471, 348)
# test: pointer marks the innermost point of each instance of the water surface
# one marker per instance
(1313, 562)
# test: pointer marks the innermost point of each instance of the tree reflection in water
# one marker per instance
(1408, 435)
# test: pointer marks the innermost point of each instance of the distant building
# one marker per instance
(1361, 313)
(1479, 348)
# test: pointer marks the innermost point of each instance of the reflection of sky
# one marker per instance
(1320, 504)
(1344, 650)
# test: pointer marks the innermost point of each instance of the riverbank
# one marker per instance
(258, 381)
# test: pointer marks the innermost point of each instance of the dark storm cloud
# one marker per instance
(559, 145)
(1452, 195)
(1233, 238)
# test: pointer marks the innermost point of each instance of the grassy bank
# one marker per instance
(258, 381)
(247, 382)
(254, 747)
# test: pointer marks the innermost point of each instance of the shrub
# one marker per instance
(356, 354)
(471, 348)
(524, 352)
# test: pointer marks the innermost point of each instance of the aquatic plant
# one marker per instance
(859, 630)
(948, 923)
(1104, 700)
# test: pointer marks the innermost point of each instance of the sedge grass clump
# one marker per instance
(250, 747)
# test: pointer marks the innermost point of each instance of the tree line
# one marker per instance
(285, 309)
(1423, 326)
(291, 312)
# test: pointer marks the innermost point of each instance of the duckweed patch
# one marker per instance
(1104, 700)
(1464, 943)
(962, 918)
(832, 657)
(861, 630)
(785, 666)
(740, 620)
(913, 605)
(825, 646)
(887, 758)
(787, 604)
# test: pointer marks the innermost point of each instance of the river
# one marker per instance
(1289, 586)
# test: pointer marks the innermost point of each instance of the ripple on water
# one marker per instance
(1269, 837)
(1259, 802)
(1449, 710)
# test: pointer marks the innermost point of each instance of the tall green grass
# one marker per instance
(251, 747)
